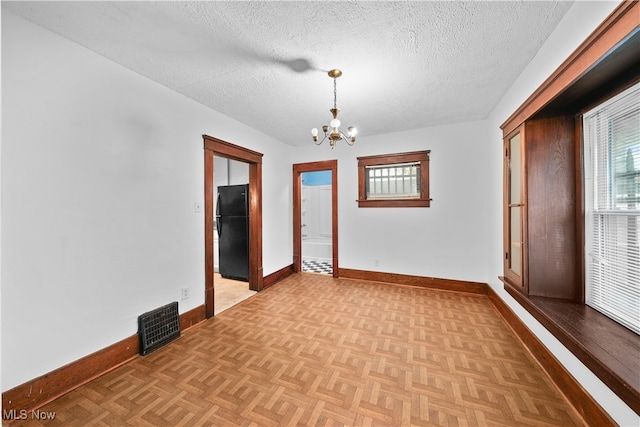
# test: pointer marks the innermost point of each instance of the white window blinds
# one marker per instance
(612, 201)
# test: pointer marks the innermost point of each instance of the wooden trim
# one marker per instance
(217, 147)
(334, 219)
(297, 219)
(394, 203)
(579, 210)
(279, 275)
(424, 282)
(209, 262)
(388, 159)
(256, 275)
(577, 396)
(622, 21)
(385, 159)
(192, 317)
(231, 151)
(298, 169)
(39, 391)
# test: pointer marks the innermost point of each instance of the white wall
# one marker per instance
(579, 22)
(441, 241)
(100, 171)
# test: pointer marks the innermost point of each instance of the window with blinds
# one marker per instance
(612, 202)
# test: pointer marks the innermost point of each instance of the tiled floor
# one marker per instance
(229, 292)
(317, 351)
(312, 266)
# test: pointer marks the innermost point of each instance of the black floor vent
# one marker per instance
(158, 327)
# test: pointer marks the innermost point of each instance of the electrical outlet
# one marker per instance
(185, 293)
(197, 207)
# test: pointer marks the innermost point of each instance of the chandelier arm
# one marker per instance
(323, 139)
(346, 138)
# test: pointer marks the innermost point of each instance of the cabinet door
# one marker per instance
(514, 209)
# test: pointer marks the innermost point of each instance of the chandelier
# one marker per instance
(335, 134)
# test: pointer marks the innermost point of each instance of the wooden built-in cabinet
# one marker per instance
(544, 219)
(541, 256)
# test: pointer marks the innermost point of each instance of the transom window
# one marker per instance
(394, 180)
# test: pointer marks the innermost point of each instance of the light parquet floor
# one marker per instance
(318, 351)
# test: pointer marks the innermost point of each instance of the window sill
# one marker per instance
(607, 348)
(394, 203)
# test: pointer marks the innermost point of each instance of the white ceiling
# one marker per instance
(406, 65)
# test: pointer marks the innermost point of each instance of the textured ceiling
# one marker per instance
(406, 65)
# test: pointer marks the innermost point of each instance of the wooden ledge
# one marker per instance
(607, 348)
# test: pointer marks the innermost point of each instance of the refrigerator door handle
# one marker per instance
(218, 217)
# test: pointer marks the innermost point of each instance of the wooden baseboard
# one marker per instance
(42, 390)
(193, 317)
(277, 276)
(39, 391)
(577, 396)
(425, 282)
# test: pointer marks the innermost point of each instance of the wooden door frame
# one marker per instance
(298, 169)
(217, 147)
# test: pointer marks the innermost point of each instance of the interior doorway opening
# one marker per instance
(315, 217)
(231, 237)
(216, 147)
(316, 227)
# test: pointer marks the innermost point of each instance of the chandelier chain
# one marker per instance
(335, 93)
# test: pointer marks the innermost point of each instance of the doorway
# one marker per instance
(315, 207)
(301, 226)
(231, 237)
(217, 147)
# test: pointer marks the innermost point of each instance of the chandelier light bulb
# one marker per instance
(352, 131)
(335, 123)
(314, 132)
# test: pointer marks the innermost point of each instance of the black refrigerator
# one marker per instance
(232, 224)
